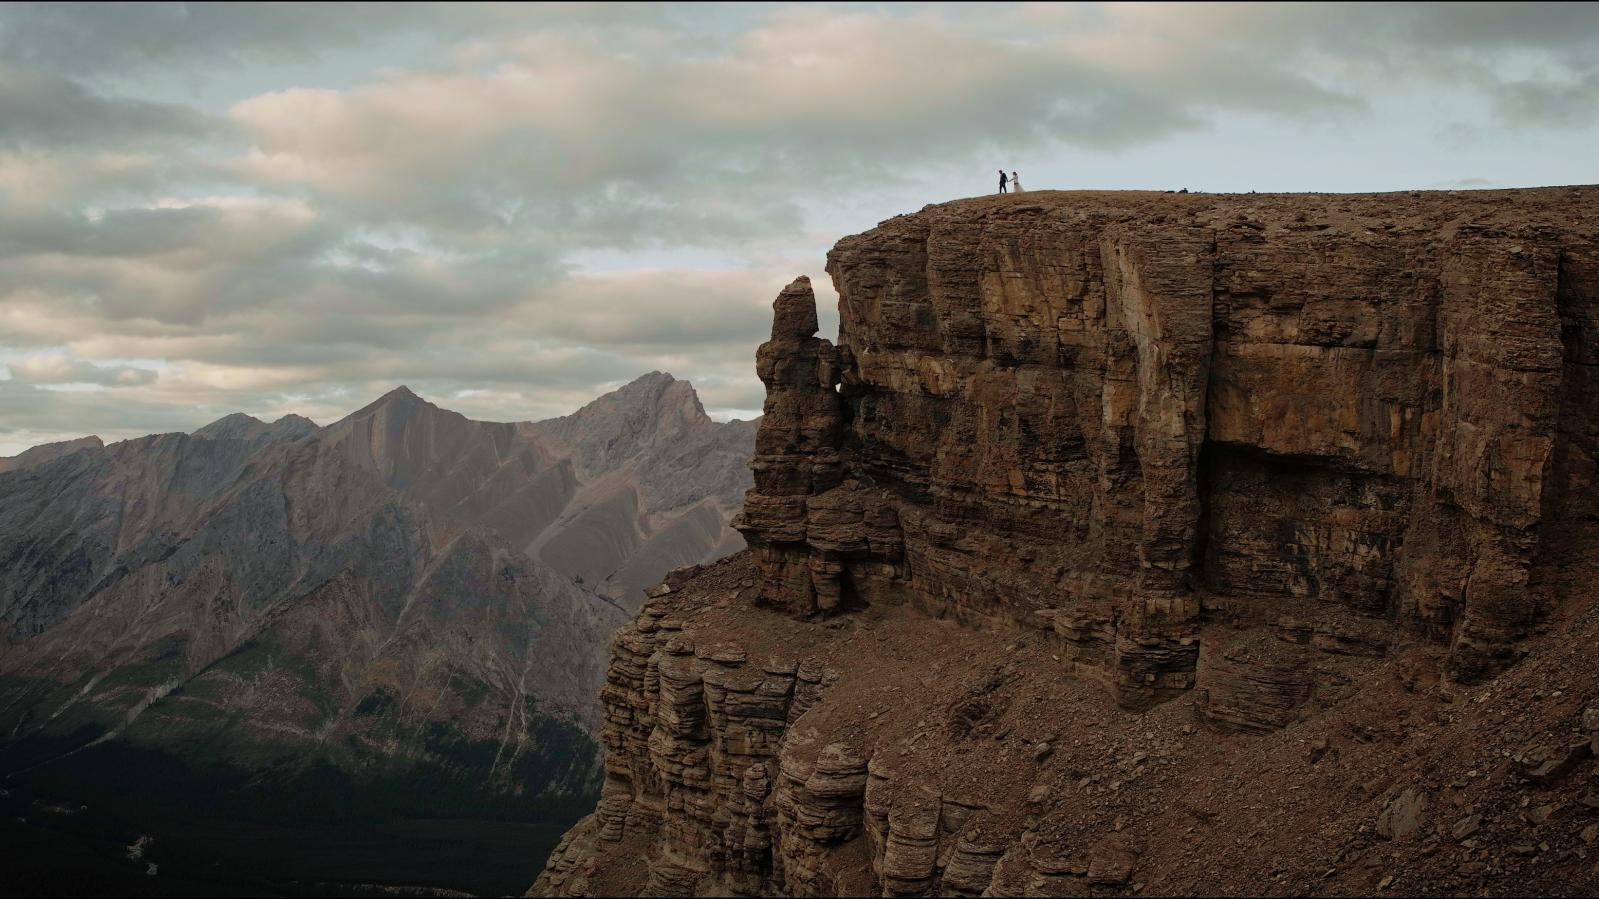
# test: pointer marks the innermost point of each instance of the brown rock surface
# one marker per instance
(1295, 468)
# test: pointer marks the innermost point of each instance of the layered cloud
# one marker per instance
(280, 207)
(58, 368)
(41, 109)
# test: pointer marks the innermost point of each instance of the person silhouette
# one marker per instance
(1015, 182)
(1002, 180)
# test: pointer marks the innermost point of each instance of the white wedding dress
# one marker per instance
(1015, 183)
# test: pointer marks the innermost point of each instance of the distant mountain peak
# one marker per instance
(646, 389)
(46, 452)
(401, 399)
(228, 425)
(400, 394)
(651, 378)
(241, 426)
(652, 409)
(655, 391)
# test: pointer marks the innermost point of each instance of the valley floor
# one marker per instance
(57, 852)
(122, 819)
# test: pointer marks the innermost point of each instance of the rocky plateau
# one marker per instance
(1141, 543)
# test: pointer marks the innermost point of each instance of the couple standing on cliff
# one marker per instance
(1015, 182)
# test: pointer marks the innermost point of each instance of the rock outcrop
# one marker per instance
(821, 540)
(1199, 478)
(1110, 412)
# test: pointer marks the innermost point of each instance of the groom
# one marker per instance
(1002, 180)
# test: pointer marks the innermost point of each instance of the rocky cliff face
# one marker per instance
(1287, 460)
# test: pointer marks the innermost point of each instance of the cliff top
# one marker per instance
(1150, 541)
(1427, 209)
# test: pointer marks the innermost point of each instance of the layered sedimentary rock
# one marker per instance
(1109, 409)
(1198, 478)
(823, 539)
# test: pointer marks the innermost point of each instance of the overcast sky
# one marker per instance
(512, 209)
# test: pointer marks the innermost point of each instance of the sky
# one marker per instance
(512, 209)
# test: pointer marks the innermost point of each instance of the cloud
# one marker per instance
(124, 39)
(209, 286)
(39, 180)
(31, 414)
(645, 310)
(59, 368)
(1565, 103)
(576, 128)
(39, 110)
(287, 207)
(131, 37)
(638, 137)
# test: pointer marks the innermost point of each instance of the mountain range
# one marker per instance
(404, 612)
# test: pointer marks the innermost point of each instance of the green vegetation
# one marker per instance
(375, 704)
(238, 802)
(232, 812)
(301, 820)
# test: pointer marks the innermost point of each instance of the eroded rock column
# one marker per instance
(814, 533)
(796, 455)
(1159, 287)
(1502, 378)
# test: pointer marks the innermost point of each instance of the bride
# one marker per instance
(1015, 183)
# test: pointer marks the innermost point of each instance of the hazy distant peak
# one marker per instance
(649, 380)
(401, 401)
(655, 393)
(240, 426)
(400, 396)
(292, 427)
(235, 424)
(652, 410)
(643, 391)
(45, 452)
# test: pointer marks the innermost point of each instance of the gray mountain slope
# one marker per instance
(374, 593)
(658, 483)
(48, 452)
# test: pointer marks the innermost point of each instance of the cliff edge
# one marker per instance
(1135, 541)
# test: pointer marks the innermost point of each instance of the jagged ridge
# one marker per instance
(371, 596)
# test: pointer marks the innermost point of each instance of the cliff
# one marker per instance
(1140, 540)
